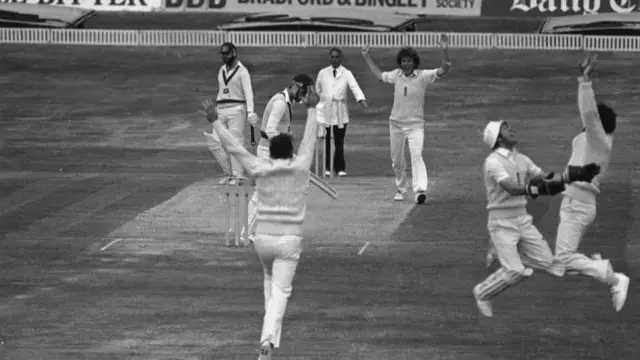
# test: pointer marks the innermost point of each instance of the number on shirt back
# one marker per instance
(405, 91)
(518, 178)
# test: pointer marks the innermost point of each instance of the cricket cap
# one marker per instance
(491, 132)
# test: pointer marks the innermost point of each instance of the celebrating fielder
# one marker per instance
(281, 184)
(510, 177)
(234, 105)
(406, 121)
(578, 209)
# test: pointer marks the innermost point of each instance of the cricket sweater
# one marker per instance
(591, 145)
(281, 184)
(409, 96)
(234, 87)
(502, 165)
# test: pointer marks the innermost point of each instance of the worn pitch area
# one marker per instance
(105, 144)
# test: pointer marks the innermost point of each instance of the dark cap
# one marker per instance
(228, 45)
(304, 79)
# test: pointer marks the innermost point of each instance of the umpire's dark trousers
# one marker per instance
(338, 157)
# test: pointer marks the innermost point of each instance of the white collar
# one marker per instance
(286, 96)
(505, 152)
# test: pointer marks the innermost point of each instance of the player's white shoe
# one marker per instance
(342, 173)
(223, 180)
(399, 197)
(619, 291)
(265, 351)
(327, 173)
(484, 306)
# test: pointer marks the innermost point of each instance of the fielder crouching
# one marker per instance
(281, 184)
(510, 178)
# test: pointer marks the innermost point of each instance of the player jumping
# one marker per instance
(510, 177)
(578, 209)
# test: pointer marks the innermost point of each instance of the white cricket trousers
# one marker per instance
(517, 241)
(575, 218)
(415, 136)
(234, 118)
(279, 255)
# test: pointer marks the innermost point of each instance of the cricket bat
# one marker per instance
(328, 189)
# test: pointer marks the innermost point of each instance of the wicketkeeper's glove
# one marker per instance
(580, 173)
(544, 186)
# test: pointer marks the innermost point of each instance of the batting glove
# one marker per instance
(584, 173)
(209, 111)
(252, 118)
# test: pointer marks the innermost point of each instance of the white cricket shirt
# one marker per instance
(409, 95)
(591, 145)
(234, 86)
(501, 165)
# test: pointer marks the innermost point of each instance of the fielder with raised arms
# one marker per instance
(282, 182)
(578, 209)
(234, 106)
(406, 122)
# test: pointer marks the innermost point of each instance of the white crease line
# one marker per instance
(363, 248)
(109, 244)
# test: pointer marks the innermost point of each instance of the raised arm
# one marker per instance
(248, 161)
(307, 145)
(588, 107)
(372, 66)
(446, 64)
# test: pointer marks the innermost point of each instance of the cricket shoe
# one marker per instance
(223, 180)
(484, 306)
(619, 291)
(399, 197)
(421, 198)
(327, 173)
(342, 173)
(265, 351)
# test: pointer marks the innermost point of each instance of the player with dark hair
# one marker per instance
(235, 106)
(406, 122)
(578, 209)
(282, 182)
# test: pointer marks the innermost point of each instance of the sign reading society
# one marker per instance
(429, 7)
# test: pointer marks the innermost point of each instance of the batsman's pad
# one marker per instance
(498, 282)
(218, 152)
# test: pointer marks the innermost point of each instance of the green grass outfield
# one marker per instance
(103, 144)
